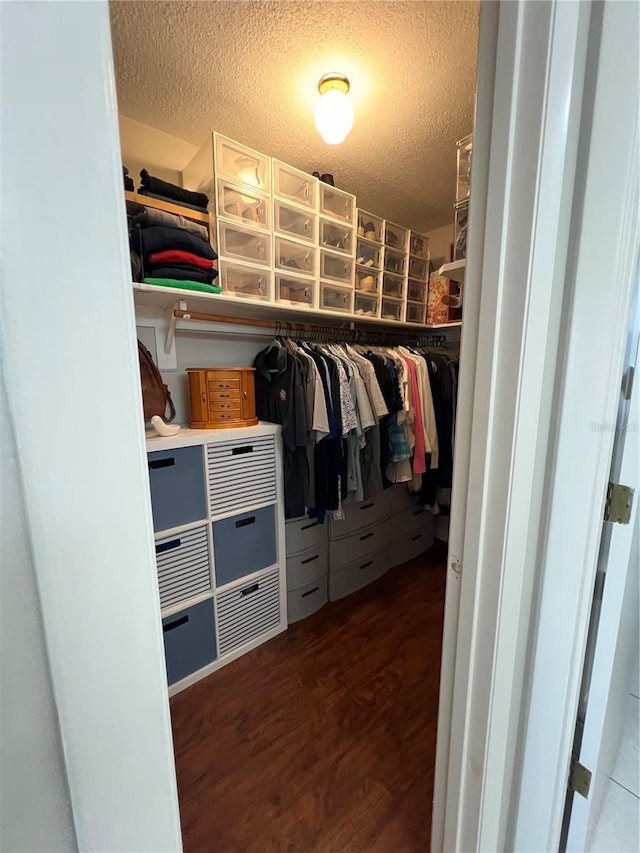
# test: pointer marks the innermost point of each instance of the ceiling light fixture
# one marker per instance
(334, 113)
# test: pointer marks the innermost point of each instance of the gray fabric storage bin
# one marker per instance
(307, 599)
(244, 543)
(304, 568)
(177, 485)
(189, 640)
(358, 574)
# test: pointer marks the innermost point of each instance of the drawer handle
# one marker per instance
(204, 397)
(171, 625)
(225, 385)
(238, 450)
(309, 526)
(224, 396)
(167, 546)
(245, 522)
(310, 592)
(162, 463)
(415, 538)
(366, 565)
(244, 395)
(367, 506)
(366, 536)
(248, 590)
(310, 560)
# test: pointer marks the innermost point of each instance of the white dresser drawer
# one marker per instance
(361, 515)
(306, 567)
(405, 522)
(358, 574)
(305, 600)
(304, 533)
(401, 498)
(365, 541)
(413, 544)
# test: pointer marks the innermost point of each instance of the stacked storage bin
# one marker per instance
(219, 537)
(307, 567)
(244, 219)
(394, 275)
(418, 279)
(337, 213)
(295, 228)
(368, 275)
(463, 188)
(359, 546)
(412, 527)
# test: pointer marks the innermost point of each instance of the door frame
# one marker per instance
(543, 104)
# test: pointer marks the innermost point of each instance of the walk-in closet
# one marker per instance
(296, 179)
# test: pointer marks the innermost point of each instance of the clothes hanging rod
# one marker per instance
(289, 329)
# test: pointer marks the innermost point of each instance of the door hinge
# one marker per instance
(580, 780)
(617, 505)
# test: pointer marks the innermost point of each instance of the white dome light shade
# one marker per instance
(334, 113)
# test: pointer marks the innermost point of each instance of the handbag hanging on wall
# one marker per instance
(155, 394)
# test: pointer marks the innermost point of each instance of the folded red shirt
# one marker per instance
(177, 256)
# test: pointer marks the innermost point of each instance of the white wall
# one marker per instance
(70, 358)
(440, 240)
(145, 147)
(35, 810)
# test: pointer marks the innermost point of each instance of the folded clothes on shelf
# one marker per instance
(183, 285)
(128, 182)
(162, 238)
(151, 216)
(171, 192)
(181, 273)
(175, 256)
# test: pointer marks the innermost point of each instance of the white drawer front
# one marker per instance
(366, 541)
(307, 599)
(241, 473)
(306, 567)
(358, 574)
(248, 611)
(304, 533)
(361, 515)
(183, 566)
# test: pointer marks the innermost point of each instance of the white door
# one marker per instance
(613, 633)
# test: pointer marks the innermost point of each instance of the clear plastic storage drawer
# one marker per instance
(248, 282)
(242, 165)
(335, 298)
(366, 306)
(367, 282)
(392, 285)
(293, 222)
(370, 227)
(336, 267)
(242, 205)
(416, 290)
(396, 236)
(295, 257)
(391, 309)
(294, 185)
(419, 245)
(336, 236)
(336, 203)
(416, 312)
(367, 254)
(295, 290)
(243, 244)
(418, 268)
(394, 261)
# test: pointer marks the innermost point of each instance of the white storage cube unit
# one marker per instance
(416, 313)
(220, 545)
(419, 246)
(294, 186)
(239, 243)
(366, 305)
(368, 255)
(395, 262)
(368, 281)
(392, 310)
(396, 237)
(334, 297)
(336, 267)
(393, 285)
(336, 236)
(241, 164)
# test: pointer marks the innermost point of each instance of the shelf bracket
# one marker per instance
(170, 340)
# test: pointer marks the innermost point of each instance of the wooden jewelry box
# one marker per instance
(222, 397)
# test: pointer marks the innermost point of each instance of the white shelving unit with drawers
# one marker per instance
(217, 503)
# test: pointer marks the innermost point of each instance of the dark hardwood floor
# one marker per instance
(323, 739)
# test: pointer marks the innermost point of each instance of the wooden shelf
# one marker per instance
(169, 207)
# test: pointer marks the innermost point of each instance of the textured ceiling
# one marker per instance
(250, 70)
